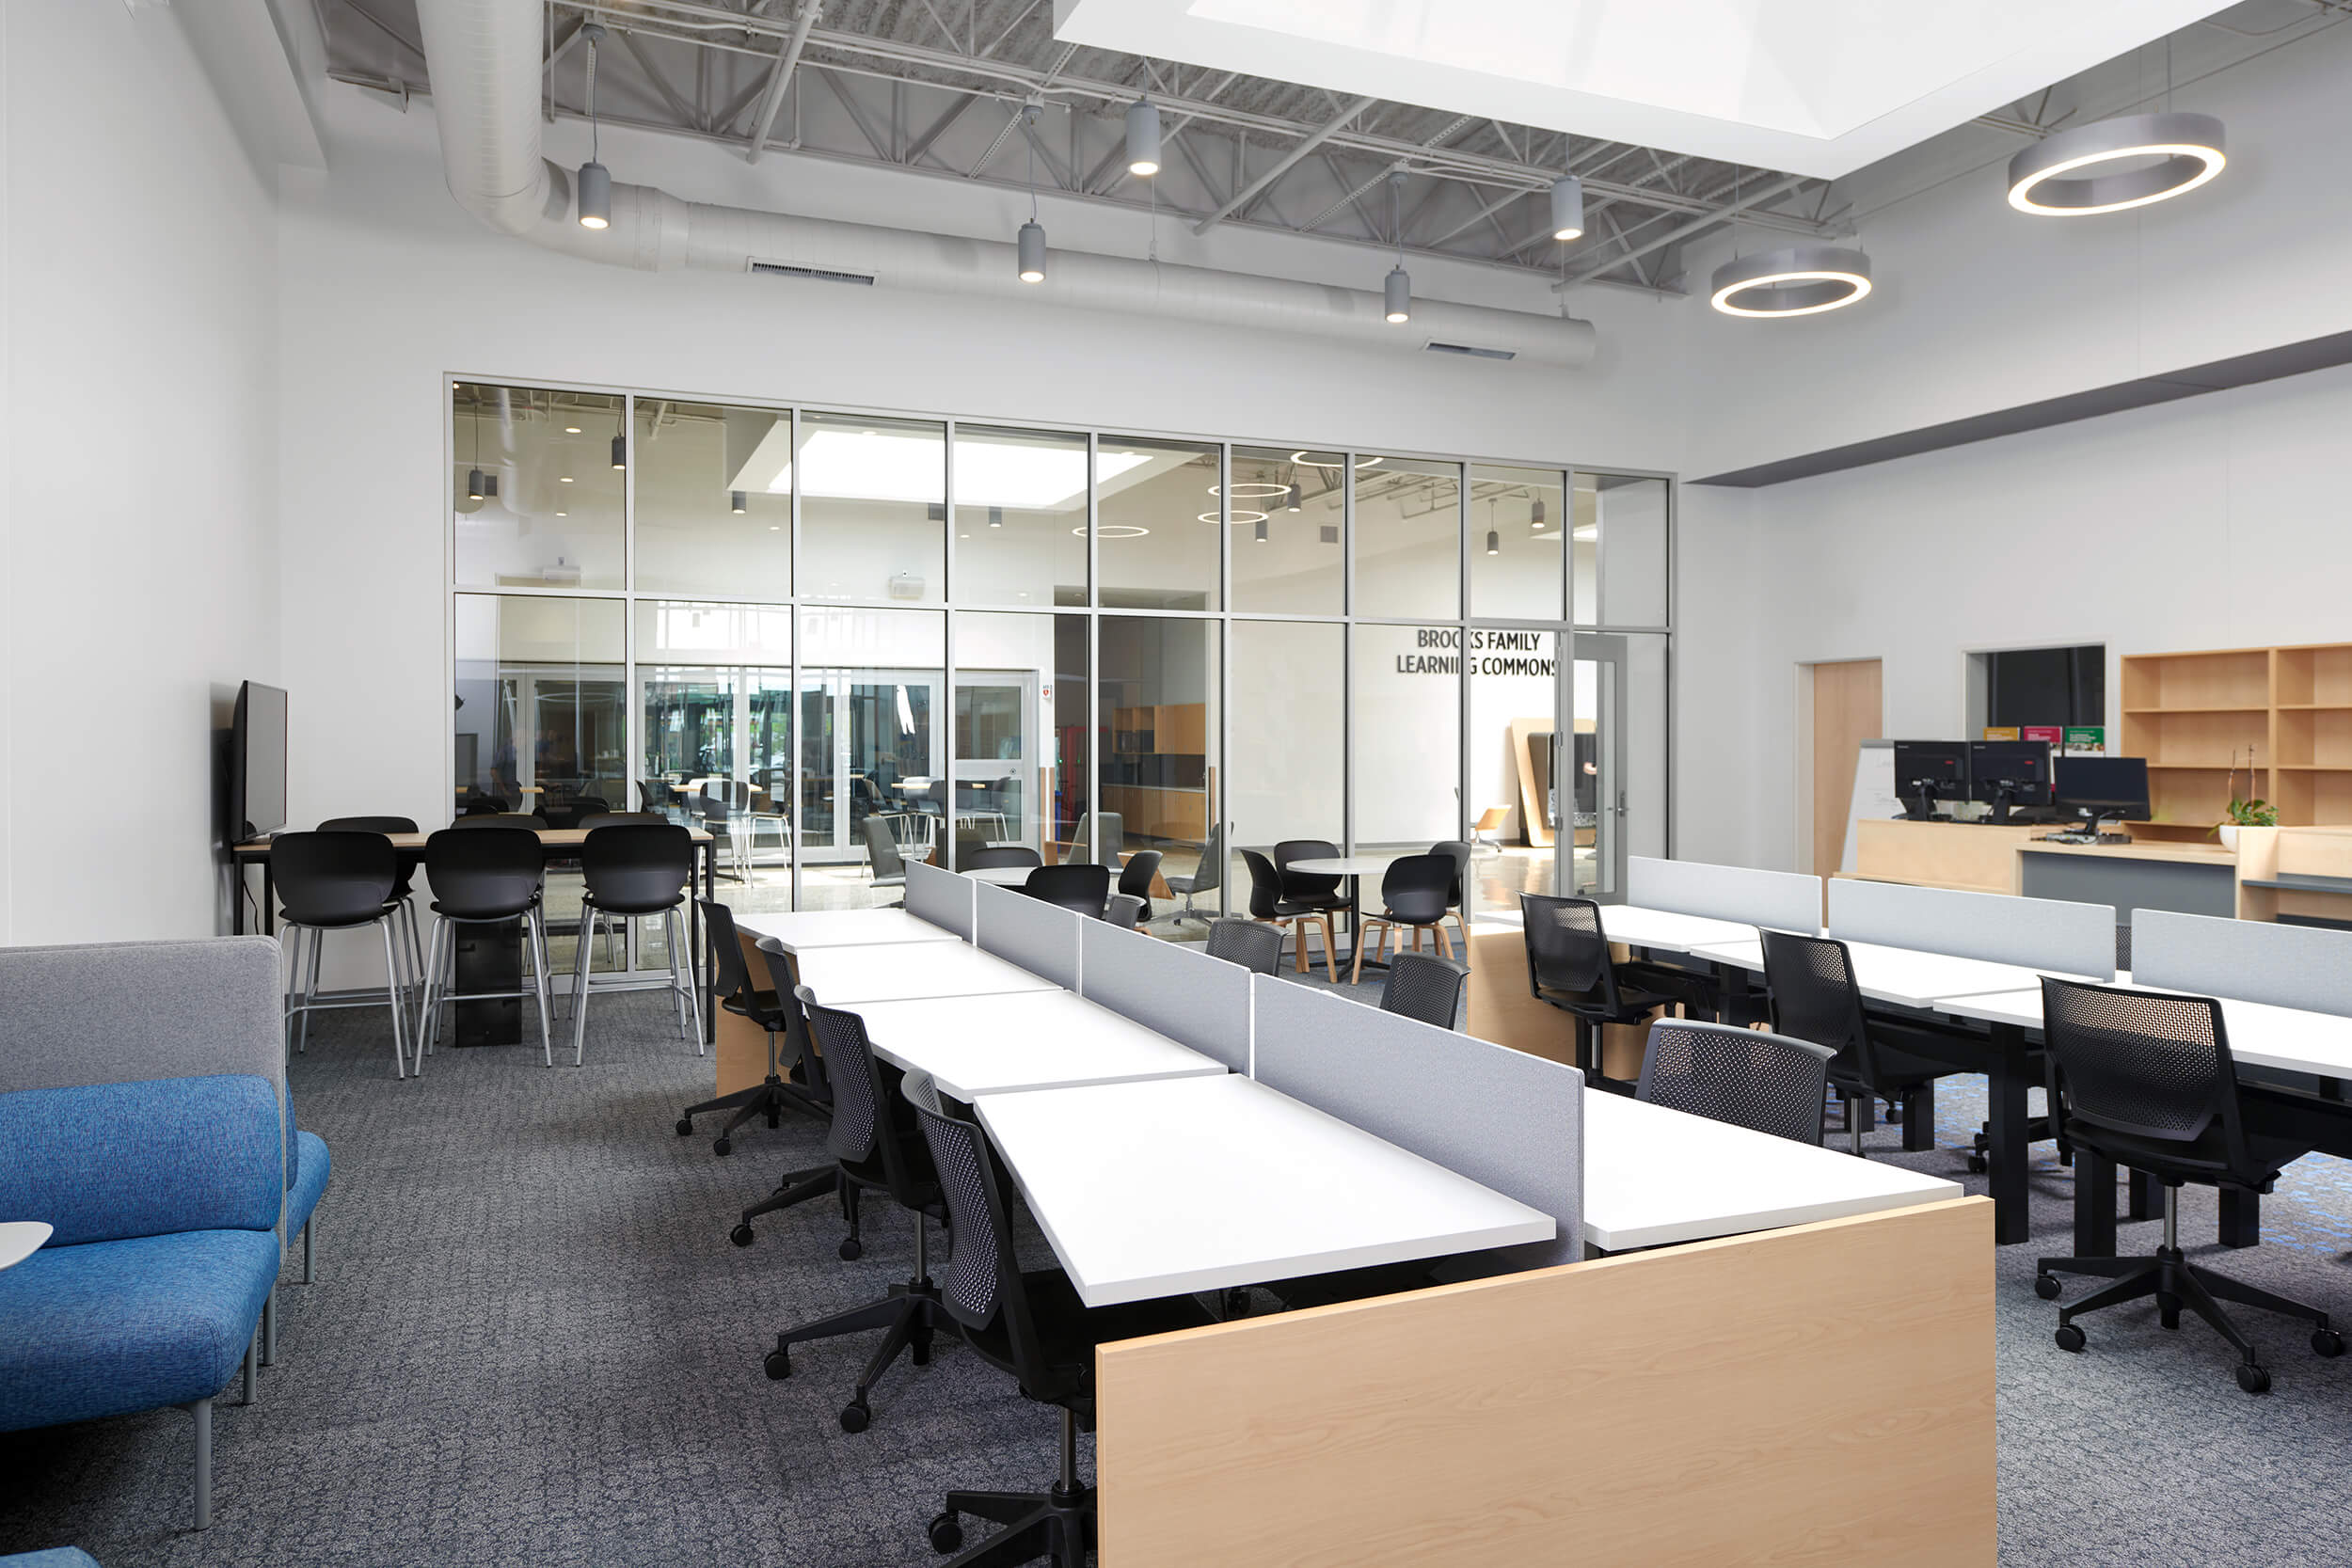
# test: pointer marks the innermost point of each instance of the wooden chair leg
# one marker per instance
(1379, 933)
(1298, 928)
(1330, 948)
(1445, 943)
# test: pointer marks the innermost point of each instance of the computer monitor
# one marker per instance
(1927, 771)
(257, 760)
(2006, 773)
(2096, 788)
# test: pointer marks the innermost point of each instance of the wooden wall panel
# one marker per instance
(1846, 713)
(1820, 1395)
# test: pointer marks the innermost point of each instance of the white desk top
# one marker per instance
(1666, 929)
(1183, 1184)
(977, 1045)
(21, 1239)
(1001, 875)
(1903, 976)
(2261, 1034)
(1654, 1176)
(847, 976)
(1343, 865)
(812, 928)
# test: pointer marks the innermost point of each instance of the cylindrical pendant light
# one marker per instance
(475, 487)
(620, 452)
(734, 502)
(2061, 176)
(1399, 291)
(1259, 530)
(1494, 543)
(595, 180)
(1535, 514)
(1297, 493)
(1568, 208)
(1803, 280)
(1032, 246)
(1143, 138)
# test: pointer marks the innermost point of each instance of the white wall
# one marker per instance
(137, 503)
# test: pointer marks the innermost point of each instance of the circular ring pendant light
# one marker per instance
(1804, 281)
(2071, 174)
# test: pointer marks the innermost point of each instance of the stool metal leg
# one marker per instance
(579, 987)
(539, 981)
(391, 995)
(310, 992)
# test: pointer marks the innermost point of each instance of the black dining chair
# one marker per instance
(1253, 944)
(742, 994)
(492, 877)
(1269, 907)
(878, 1146)
(615, 819)
(1569, 967)
(1459, 851)
(335, 882)
(1766, 1082)
(633, 872)
(1031, 1324)
(1123, 910)
(1426, 988)
(1816, 997)
(990, 855)
(403, 889)
(1308, 890)
(530, 821)
(1136, 877)
(486, 805)
(1083, 887)
(1412, 897)
(2146, 1080)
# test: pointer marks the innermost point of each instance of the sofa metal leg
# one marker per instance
(309, 1251)
(203, 1410)
(252, 1351)
(269, 1329)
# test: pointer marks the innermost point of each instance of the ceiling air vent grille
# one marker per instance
(1474, 352)
(820, 275)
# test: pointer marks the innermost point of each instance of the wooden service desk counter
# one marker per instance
(1984, 857)
(2295, 873)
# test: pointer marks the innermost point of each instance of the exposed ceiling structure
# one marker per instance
(936, 89)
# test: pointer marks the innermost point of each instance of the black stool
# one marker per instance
(401, 890)
(337, 882)
(483, 877)
(632, 870)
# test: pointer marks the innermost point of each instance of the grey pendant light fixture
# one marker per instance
(1297, 493)
(595, 180)
(1259, 533)
(1030, 242)
(1398, 290)
(2078, 172)
(475, 487)
(620, 452)
(1494, 540)
(734, 502)
(1535, 514)
(1568, 208)
(1143, 138)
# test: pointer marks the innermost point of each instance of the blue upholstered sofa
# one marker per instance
(144, 1114)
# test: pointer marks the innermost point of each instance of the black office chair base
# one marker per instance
(800, 1187)
(2177, 1283)
(911, 1316)
(1056, 1525)
(769, 1099)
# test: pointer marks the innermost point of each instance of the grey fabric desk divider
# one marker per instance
(1175, 989)
(2248, 960)
(1042, 937)
(2039, 933)
(1504, 1118)
(1785, 900)
(941, 897)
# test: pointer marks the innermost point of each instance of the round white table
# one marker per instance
(21, 1239)
(1352, 867)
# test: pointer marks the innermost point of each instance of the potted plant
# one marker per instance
(2243, 811)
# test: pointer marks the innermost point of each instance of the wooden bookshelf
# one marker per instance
(2188, 712)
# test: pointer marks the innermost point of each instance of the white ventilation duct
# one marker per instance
(484, 57)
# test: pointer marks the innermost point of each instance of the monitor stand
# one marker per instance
(1919, 806)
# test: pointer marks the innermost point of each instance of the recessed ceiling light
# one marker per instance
(2059, 176)
(561, 514)
(775, 528)
(564, 479)
(571, 429)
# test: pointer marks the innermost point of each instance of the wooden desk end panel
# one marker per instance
(1502, 1011)
(1819, 1395)
(740, 1049)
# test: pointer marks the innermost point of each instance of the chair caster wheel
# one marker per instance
(2046, 1286)
(778, 1365)
(1978, 1163)
(686, 1127)
(850, 1249)
(2253, 1379)
(2069, 1337)
(2327, 1342)
(946, 1534)
(723, 1149)
(740, 1235)
(855, 1415)
(2167, 1310)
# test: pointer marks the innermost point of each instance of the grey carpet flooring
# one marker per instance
(530, 1343)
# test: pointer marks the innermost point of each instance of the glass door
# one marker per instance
(1517, 716)
(869, 745)
(1592, 793)
(996, 757)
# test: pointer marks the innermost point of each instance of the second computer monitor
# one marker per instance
(1927, 771)
(2096, 787)
(2003, 773)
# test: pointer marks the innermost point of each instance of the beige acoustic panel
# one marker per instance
(1820, 1395)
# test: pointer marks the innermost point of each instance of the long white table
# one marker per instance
(1185, 1184)
(850, 976)
(1655, 1176)
(980, 1045)
(805, 930)
(1668, 930)
(2260, 1034)
(1903, 976)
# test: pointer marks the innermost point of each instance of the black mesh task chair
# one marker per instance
(1816, 997)
(1002, 854)
(881, 855)
(1426, 988)
(1412, 896)
(1250, 944)
(1134, 877)
(1569, 966)
(849, 1128)
(1083, 887)
(1278, 914)
(2147, 1081)
(1123, 910)
(337, 882)
(1204, 880)
(1032, 1325)
(742, 995)
(874, 1137)
(490, 876)
(1766, 1082)
(1459, 851)
(633, 871)
(403, 890)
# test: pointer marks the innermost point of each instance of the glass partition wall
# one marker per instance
(842, 642)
